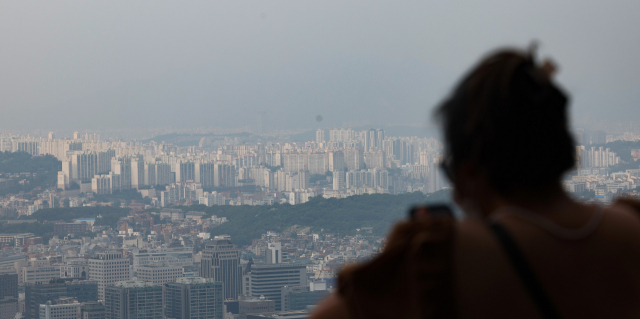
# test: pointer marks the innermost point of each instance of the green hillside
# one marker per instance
(45, 168)
(340, 216)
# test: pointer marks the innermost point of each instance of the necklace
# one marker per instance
(549, 226)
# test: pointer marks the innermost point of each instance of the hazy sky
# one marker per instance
(117, 64)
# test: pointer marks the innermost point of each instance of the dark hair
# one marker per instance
(508, 119)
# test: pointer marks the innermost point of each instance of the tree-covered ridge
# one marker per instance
(110, 215)
(45, 167)
(340, 216)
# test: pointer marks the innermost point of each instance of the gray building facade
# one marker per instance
(35, 295)
(195, 297)
(133, 300)
(268, 280)
(221, 261)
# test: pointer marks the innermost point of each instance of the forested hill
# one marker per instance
(340, 216)
(45, 168)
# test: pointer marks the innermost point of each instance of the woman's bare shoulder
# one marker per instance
(622, 223)
(332, 307)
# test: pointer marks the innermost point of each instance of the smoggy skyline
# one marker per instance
(120, 64)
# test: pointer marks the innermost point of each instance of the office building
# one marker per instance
(39, 272)
(298, 314)
(255, 306)
(76, 268)
(159, 274)
(8, 285)
(194, 297)
(9, 306)
(268, 279)
(273, 253)
(300, 297)
(173, 256)
(62, 308)
(92, 310)
(133, 299)
(35, 295)
(221, 261)
(107, 268)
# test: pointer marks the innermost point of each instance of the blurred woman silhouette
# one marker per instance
(526, 249)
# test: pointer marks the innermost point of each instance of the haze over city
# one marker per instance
(279, 159)
(120, 64)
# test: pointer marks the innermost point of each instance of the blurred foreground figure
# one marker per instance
(526, 249)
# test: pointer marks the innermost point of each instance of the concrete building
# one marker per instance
(300, 297)
(137, 173)
(133, 299)
(339, 182)
(35, 295)
(255, 306)
(122, 166)
(221, 261)
(8, 285)
(175, 256)
(268, 279)
(69, 228)
(92, 310)
(39, 272)
(194, 297)
(8, 308)
(320, 136)
(159, 274)
(62, 308)
(74, 268)
(107, 268)
(273, 253)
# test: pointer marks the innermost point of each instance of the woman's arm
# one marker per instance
(332, 307)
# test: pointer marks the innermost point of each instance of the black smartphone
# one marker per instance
(430, 210)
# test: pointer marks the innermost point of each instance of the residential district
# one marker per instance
(161, 261)
(171, 270)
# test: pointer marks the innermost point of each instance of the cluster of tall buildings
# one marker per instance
(354, 162)
(157, 284)
(593, 157)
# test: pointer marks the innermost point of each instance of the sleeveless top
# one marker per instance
(413, 277)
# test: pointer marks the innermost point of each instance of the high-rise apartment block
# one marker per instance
(195, 297)
(320, 136)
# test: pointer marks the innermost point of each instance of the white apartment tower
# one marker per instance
(320, 136)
